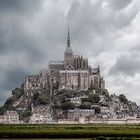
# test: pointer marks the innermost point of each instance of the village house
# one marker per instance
(10, 117)
(77, 100)
(75, 114)
(1, 119)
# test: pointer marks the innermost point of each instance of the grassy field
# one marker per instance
(70, 131)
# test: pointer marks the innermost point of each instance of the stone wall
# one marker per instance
(10, 117)
(114, 121)
(103, 121)
(74, 79)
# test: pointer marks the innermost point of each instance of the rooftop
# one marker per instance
(73, 71)
(56, 62)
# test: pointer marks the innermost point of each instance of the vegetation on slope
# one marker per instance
(8, 105)
(60, 100)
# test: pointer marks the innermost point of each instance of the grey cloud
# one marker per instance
(89, 20)
(14, 37)
(135, 49)
(13, 77)
(40, 34)
(119, 4)
(127, 65)
(19, 5)
(4, 96)
(15, 40)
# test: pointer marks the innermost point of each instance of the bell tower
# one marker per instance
(68, 54)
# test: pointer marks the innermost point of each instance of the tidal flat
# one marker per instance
(73, 132)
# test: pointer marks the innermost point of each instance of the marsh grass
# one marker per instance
(70, 131)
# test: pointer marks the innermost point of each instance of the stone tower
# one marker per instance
(68, 55)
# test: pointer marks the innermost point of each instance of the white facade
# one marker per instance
(77, 113)
(10, 117)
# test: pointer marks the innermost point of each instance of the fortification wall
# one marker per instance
(115, 121)
(103, 121)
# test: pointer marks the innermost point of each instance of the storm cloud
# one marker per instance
(106, 31)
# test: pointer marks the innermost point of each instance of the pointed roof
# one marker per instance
(98, 69)
(68, 38)
(68, 48)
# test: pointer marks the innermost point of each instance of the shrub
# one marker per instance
(123, 98)
(85, 105)
(67, 105)
(94, 98)
(43, 99)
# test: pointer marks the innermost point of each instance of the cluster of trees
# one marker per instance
(40, 99)
(67, 105)
(91, 102)
(25, 114)
(94, 98)
(62, 100)
(70, 93)
(8, 105)
(123, 98)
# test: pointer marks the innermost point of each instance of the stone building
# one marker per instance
(73, 73)
(1, 119)
(10, 117)
(77, 100)
(74, 115)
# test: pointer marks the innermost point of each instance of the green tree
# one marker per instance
(123, 98)
(85, 105)
(105, 92)
(43, 99)
(85, 100)
(2, 110)
(17, 93)
(97, 109)
(8, 103)
(64, 99)
(67, 105)
(94, 98)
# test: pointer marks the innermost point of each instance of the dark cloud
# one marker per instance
(119, 4)
(91, 22)
(126, 64)
(95, 19)
(15, 41)
(3, 97)
(17, 45)
(34, 32)
(19, 5)
(13, 77)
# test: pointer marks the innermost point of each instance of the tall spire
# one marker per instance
(68, 38)
(68, 48)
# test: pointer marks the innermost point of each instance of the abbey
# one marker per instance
(73, 73)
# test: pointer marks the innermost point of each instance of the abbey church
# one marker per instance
(72, 73)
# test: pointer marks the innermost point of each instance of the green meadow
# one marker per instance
(70, 131)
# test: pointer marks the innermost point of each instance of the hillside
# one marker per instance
(104, 104)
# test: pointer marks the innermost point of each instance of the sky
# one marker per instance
(107, 32)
